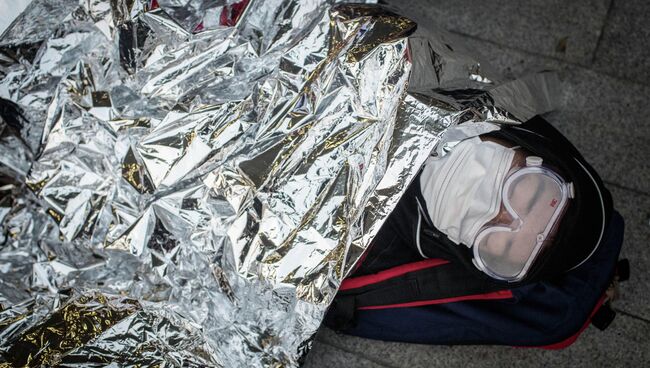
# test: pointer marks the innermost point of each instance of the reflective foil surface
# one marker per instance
(186, 183)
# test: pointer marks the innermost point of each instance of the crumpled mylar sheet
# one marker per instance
(185, 183)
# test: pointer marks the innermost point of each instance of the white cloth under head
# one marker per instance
(462, 190)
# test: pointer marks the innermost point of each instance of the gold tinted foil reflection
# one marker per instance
(386, 27)
(36, 186)
(55, 215)
(68, 328)
(133, 173)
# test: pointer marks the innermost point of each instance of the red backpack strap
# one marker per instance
(432, 281)
(375, 278)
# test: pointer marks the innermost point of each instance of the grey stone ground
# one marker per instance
(601, 49)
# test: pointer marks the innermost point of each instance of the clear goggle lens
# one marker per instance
(535, 198)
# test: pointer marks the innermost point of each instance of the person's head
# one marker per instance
(500, 200)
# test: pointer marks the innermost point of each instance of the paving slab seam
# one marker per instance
(623, 187)
(356, 353)
(602, 31)
(548, 57)
(632, 315)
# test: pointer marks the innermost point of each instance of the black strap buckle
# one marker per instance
(603, 317)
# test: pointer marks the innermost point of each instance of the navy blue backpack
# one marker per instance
(395, 295)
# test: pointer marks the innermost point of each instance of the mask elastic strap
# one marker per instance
(419, 229)
(602, 203)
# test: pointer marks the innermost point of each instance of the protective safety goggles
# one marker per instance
(535, 198)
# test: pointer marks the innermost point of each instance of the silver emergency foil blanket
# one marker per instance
(186, 183)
